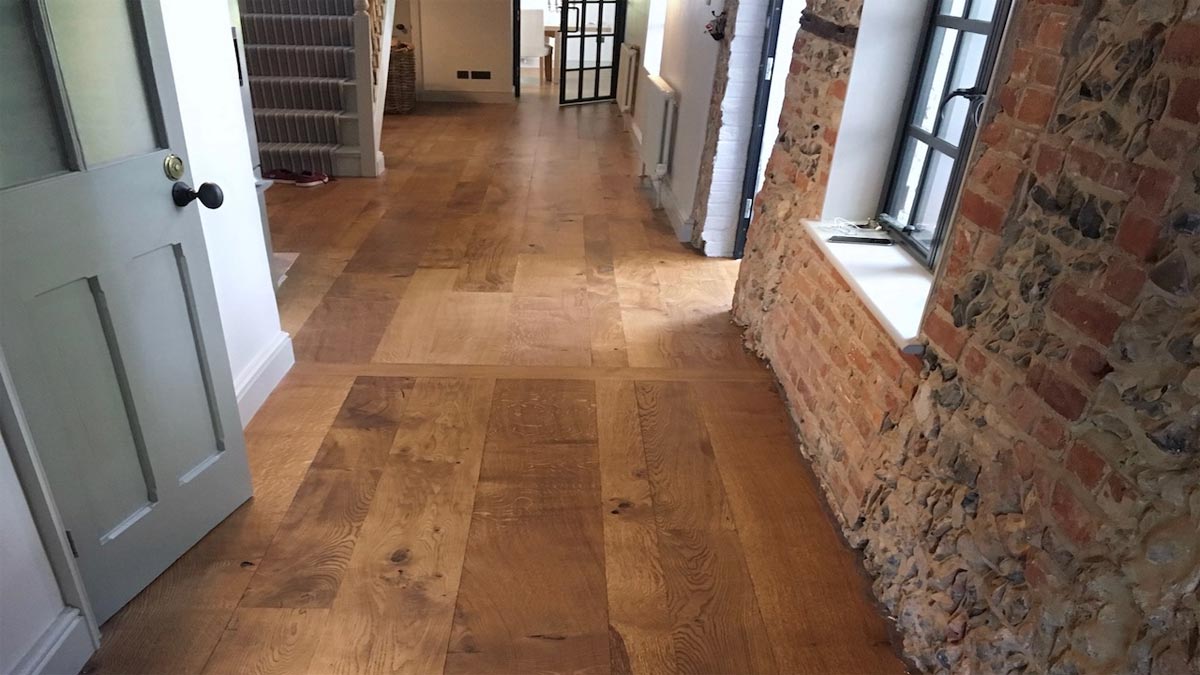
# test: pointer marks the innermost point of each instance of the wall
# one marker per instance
(889, 38)
(29, 597)
(1027, 496)
(730, 122)
(210, 103)
(464, 35)
(689, 59)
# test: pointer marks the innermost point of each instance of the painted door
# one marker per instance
(591, 32)
(108, 317)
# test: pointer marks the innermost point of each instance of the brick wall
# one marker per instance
(1027, 495)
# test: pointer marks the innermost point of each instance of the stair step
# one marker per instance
(298, 156)
(307, 7)
(299, 61)
(304, 93)
(288, 29)
(303, 126)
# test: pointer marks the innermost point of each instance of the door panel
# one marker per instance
(109, 317)
(591, 32)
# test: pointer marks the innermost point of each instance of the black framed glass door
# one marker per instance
(590, 35)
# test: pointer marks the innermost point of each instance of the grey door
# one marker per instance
(108, 317)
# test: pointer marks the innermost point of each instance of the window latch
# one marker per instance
(974, 96)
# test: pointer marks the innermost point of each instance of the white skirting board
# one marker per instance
(264, 373)
(446, 96)
(680, 222)
(62, 650)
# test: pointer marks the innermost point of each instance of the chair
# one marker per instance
(533, 40)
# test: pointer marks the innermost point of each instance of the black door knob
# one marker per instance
(209, 194)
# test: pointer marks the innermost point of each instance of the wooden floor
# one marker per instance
(522, 436)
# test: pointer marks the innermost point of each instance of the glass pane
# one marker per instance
(933, 196)
(574, 18)
(574, 47)
(932, 88)
(608, 18)
(570, 85)
(606, 51)
(966, 74)
(606, 82)
(591, 17)
(589, 84)
(31, 145)
(983, 10)
(952, 7)
(591, 52)
(99, 53)
(907, 178)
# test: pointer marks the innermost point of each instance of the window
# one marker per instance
(945, 100)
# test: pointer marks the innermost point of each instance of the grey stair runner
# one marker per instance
(300, 58)
(305, 93)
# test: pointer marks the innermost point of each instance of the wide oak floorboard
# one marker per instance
(522, 436)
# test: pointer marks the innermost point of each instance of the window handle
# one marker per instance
(974, 96)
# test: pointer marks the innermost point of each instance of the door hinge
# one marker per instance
(747, 207)
(71, 543)
(770, 68)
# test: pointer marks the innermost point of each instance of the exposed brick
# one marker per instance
(1154, 188)
(1124, 279)
(1036, 107)
(1059, 393)
(981, 211)
(1087, 466)
(1089, 364)
(1183, 44)
(944, 334)
(1091, 317)
(1185, 101)
(1072, 516)
(1139, 234)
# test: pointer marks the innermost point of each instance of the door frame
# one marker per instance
(516, 48)
(46, 517)
(762, 96)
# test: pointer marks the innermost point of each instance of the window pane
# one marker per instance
(966, 74)
(983, 10)
(907, 178)
(31, 146)
(934, 80)
(952, 7)
(932, 197)
(606, 78)
(99, 53)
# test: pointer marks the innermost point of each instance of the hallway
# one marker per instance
(522, 435)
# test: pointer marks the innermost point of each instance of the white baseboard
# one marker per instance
(62, 650)
(264, 373)
(680, 222)
(446, 96)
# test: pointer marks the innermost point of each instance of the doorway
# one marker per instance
(783, 21)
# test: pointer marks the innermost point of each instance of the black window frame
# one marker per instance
(958, 153)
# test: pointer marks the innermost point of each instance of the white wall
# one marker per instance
(879, 79)
(29, 597)
(458, 35)
(724, 209)
(689, 60)
(202, 60)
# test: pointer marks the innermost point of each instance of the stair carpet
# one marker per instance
(300, 59)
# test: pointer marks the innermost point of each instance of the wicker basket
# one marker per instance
(402, 81)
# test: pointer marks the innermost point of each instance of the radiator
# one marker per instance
(654, 124)
(630, 65)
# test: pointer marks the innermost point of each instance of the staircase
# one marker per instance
(317, 72)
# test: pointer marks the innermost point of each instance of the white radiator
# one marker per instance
(630, 65)
(654, 124)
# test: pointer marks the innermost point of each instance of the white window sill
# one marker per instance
(892, 284)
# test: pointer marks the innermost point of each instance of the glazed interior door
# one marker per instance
(108, 317)
(590, 33)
